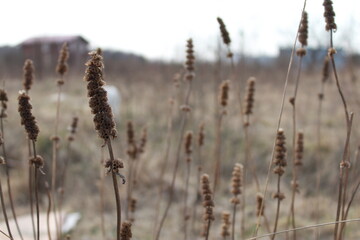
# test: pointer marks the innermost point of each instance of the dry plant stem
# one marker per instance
(4, 211)
(102, 194)
(116, 191)
(177, 160)
(208, 230)
(31, 197)
(36, 188)
(198, 190)
(48, 212)
(348, 120)
(319, 156)
(5, 235)
(217, 169)
(278, 124)
(349, 204)
(129, 187)
(8, 179)
(304, 228)
(186, 209)
(233, 221)
(165, 163)
(277, 209)
(55, 143)
(291, 216)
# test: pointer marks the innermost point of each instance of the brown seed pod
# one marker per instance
(103, 116)
(329, 15)
(37, 161)
(259, 202)
(250, 98)
(225, 227)
(125, 232)
(224, 33)
(299, 151)
(188, 142)
(3, 100)
(303, 30)
(207, 196)
(27, 119)
(190, 60)
(236, 182)
(280, 153)
(132, 146)
(224, 93)
(28, 74)
(201, 135)
(62, 65)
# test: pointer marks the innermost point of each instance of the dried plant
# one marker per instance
(185, 109)
(28, 75)
(208, 204)
(32, 130)
(236, 190)
(126, 233)
(104, 121)
(188, 158)
(132, 152)
(225, 217)
(280, 164)
(223, 102)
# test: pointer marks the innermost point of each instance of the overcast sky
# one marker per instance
(158, 29)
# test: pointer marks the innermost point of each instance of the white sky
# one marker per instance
(159, 28)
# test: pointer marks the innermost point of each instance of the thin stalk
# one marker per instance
(55, 145)
(36, 183)
(8, 179)
(233, 222)
(116, 191)
(4, 211)
(165, 162)
(129, 187)
(291, 216)
(319, 156)
(5, 235)
(48, 210)
(186, 209)
(217, 152)
(277, 209)
(102, 192)
(177, 160)
(304, 228)
(349, 205)
(279, 123)
(198, 190)
(208, 230)
(31, 197)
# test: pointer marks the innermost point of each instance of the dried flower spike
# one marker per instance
(62, 65)
(224, 33)
(225, 224)
(103, 119)
(326, 69)
(259, 202)
(28, 74)
(249, 99)
(329, 15)
(299, 149)
(132, 147)
(3, 99)
(280, 153)
(224, 93)
(126, 233)
(303, 30)
(208, 202)
(201, 135)
(236, 182)
(27, 119)
(188, 143)
(190, 60)
(143, 141)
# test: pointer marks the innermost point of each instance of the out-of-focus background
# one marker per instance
(143, 46)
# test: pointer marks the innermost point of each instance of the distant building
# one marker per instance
(44, 51)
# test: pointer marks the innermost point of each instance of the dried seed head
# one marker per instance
(303, 30)
(132, 147)
(27, 119)
(114, 165)
(224, 93)
(3, 100)
(224, 33)
(259, 202)
(62, 65)
(249, 99)
(37, 161)
(236, 182)
(103, 119)
(201, 135)
(326, 70)
(299, 151)
(301, 52)
(143, 141)
(279, 195)
(329, 15)
(208, 202)
(125, 232)
(225, 217)
(99, 51)
(280, 153)
(28, 74)
(190, 60)
(188, 143)
(73, 128)
(132, 206)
